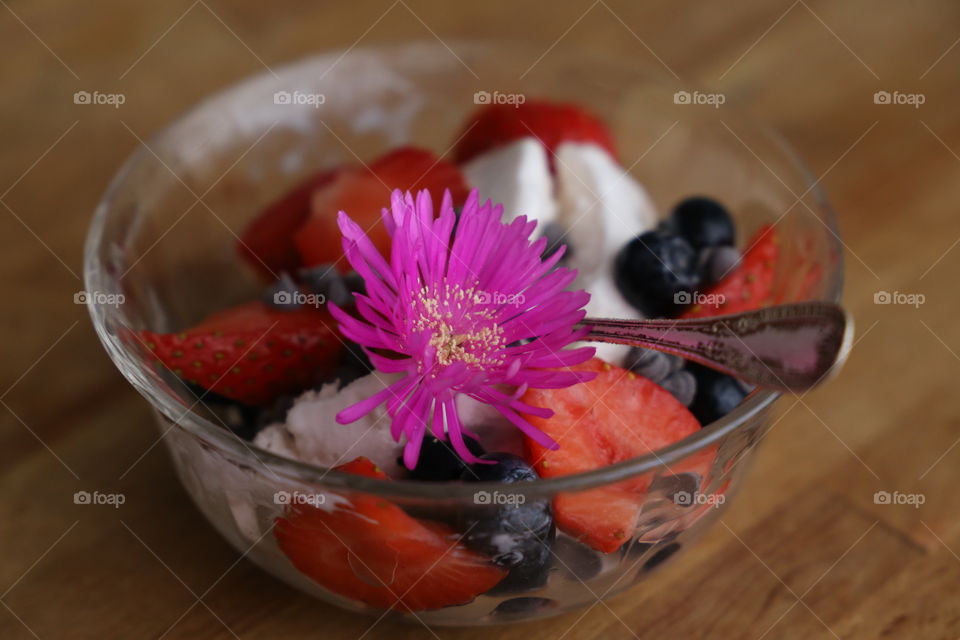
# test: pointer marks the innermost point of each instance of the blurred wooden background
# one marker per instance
(805, 552)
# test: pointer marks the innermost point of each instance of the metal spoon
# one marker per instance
(789, 347)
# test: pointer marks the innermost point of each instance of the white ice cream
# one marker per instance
(312, 434)
(516, 175)
(606, 302)
(495, 432)
(601, 206)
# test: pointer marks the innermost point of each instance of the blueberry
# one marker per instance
(353, 365)
(556, 237)
(747, 387)
(717, 394)
(276, 412)
(634, 550)
(653, 269)
(660, 556)
(241, 419)
(515, 606)
(577, 559)
(651, 364)
(517, 534)
(325, 280)
(704, 222)
(439, 462)
(682, 385)
(283, 294)
(716, 263)
(679, 488)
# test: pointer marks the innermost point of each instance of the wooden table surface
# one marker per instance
(805, 551)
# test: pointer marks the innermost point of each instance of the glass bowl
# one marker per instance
(164, 238)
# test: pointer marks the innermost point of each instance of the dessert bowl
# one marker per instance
(164, 237)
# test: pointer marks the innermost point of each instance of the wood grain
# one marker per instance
(805, 552)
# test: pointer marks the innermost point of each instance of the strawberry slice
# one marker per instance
(551, 122)
(251, 353)
(363, 193)
(365, 548)
(267, 242)
(615, 417)
(750, 286)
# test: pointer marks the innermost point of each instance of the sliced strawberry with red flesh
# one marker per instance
(267, 242)
(363, 193)
(252, 353)
(552, 123)
(615, 417)
(370, 550)
(750, 286)
(363, 467)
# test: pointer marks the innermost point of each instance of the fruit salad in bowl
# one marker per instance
(361, 322)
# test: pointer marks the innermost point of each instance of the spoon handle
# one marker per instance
(789, 347)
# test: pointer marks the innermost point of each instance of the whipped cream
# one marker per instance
(602, 207)
(517, 175)
(311, 433)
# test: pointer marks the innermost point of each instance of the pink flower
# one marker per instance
(465, 305)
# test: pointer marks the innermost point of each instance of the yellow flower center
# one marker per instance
(462, 328)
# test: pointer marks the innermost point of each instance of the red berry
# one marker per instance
(552, 123)
(252, 353)
(750, 286)
(267, 242)
(365, 548)
(363, 192)
(615, 417)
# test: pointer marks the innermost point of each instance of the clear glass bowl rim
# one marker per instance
(247, 454)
